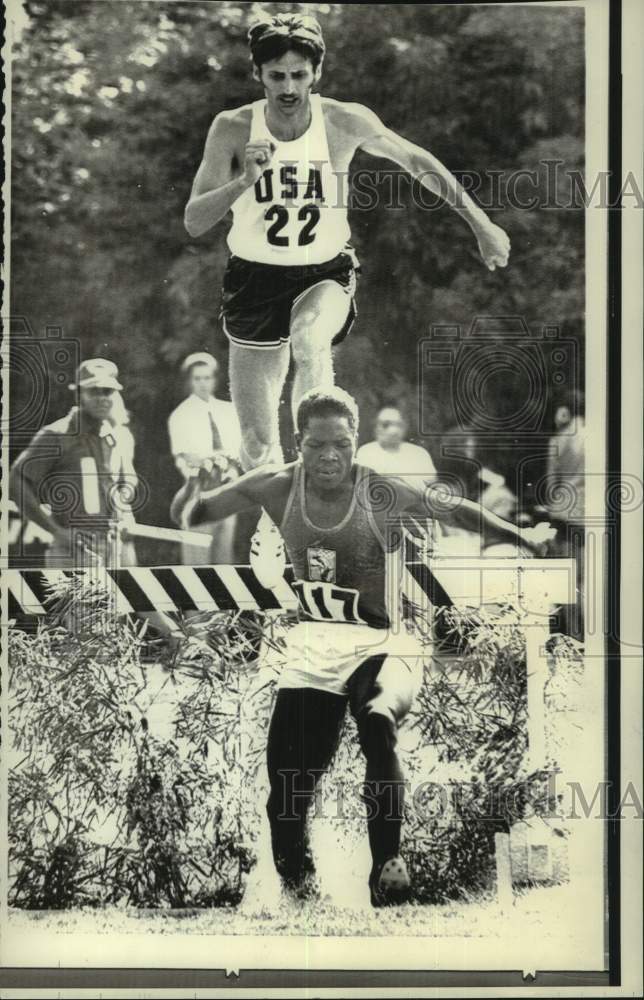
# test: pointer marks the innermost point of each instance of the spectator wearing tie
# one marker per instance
(205, 435)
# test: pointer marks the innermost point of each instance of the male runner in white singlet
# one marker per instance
(334, 522)
(281, 165)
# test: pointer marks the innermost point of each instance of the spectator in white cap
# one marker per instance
(205, 435)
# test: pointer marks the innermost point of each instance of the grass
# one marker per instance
(546, 910)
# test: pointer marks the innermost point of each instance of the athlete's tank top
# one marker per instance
(296, 213)
(339, 571)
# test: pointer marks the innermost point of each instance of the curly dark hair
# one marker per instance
(273, 37)
(325, 403)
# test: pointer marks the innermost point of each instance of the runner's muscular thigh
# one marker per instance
(317, 316)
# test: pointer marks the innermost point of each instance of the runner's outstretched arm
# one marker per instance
(472, 516)
(439, 504)
(493, 242)
(214, 505)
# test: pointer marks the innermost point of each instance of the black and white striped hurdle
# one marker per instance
(159, 588)
(467, 581)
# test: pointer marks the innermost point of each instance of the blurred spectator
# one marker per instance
(76, 480)
(205, 435)
(78, 469)
(468, 472)
(566, 462)
(390, 453)
(29, 541)
(459, 468)
(119, 418)
(565, 494)
(497, 496)
(459, 462)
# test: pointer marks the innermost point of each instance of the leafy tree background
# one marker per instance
(111, 105)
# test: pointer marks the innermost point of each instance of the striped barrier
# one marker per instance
(537, 584)
(159, 588)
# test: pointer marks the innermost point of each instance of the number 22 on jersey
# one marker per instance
(290, 224)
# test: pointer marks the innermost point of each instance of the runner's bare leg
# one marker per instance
(257, 377)
(316, 318)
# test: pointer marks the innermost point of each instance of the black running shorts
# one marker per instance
(257, 298)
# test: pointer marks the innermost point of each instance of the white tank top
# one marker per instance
(296, 213)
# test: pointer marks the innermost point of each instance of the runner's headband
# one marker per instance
(295, 27)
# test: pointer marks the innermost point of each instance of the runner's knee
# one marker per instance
(313, 328)
(310, 337)
(259, 447)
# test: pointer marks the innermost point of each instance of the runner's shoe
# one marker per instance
(389, 883)
(267, 553)
(304, 889)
